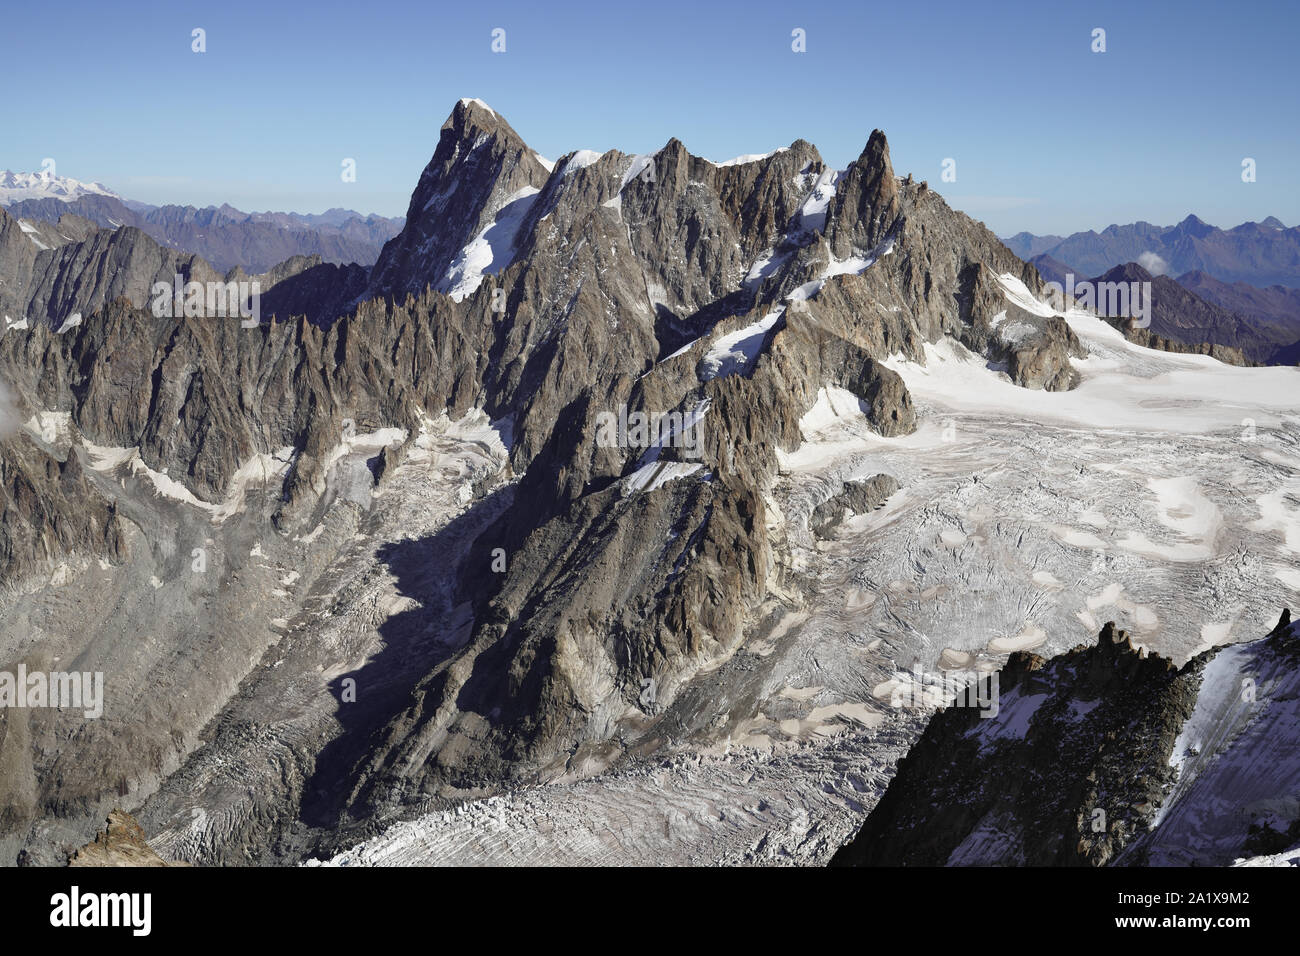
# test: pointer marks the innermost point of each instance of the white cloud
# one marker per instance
(1153, 263)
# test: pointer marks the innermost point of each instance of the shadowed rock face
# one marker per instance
(602, 287)
(480, 162)
(1102, 755)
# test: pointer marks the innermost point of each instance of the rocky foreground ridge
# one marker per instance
(1105, 755)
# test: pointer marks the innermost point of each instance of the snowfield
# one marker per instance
(15, 187)
(492, 249)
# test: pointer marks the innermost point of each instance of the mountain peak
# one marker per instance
(473, 102)
(15, 187)
(473, 114)
(875, 155)
(480, 165)
(1194, 226)
(866, 201)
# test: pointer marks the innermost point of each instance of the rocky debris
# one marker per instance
(121, 843)
(1090, 756)
(856, 497)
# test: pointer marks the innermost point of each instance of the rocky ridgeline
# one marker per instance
(121, 843)
(56, 273)
(223, 236)
(546, 298)
(1095, 757)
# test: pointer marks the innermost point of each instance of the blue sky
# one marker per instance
(1047, 135)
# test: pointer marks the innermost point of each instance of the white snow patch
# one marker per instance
(580, 160)
(492, 249)
(467, 100)
(31, 232)
(749, 158)
(812, 213)
(1277, 514)
(738, 351)
(636, 167)
(1186, 397)
(768, 264)
(833, 406)
(657, 473)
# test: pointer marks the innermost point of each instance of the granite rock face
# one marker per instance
(481, 165)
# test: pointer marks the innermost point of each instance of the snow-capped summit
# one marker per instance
(15, 187)
(467, 101)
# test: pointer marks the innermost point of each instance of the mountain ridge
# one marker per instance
(222, 235)
(1259, 253)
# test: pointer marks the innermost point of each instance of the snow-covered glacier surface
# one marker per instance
(1162, 493)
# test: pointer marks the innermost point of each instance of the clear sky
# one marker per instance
(1046, 134)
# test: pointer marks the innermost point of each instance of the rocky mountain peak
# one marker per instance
(480, 166)
(1193, 226)
(471, 119)
(866, 200)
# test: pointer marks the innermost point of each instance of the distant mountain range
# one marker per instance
(224, 236)
(54, 273)
(1183, 316)
(1236, 288)
(1260, 253)
(15, 187)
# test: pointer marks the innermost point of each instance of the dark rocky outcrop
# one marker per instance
(856, 497)
(1074, 767)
